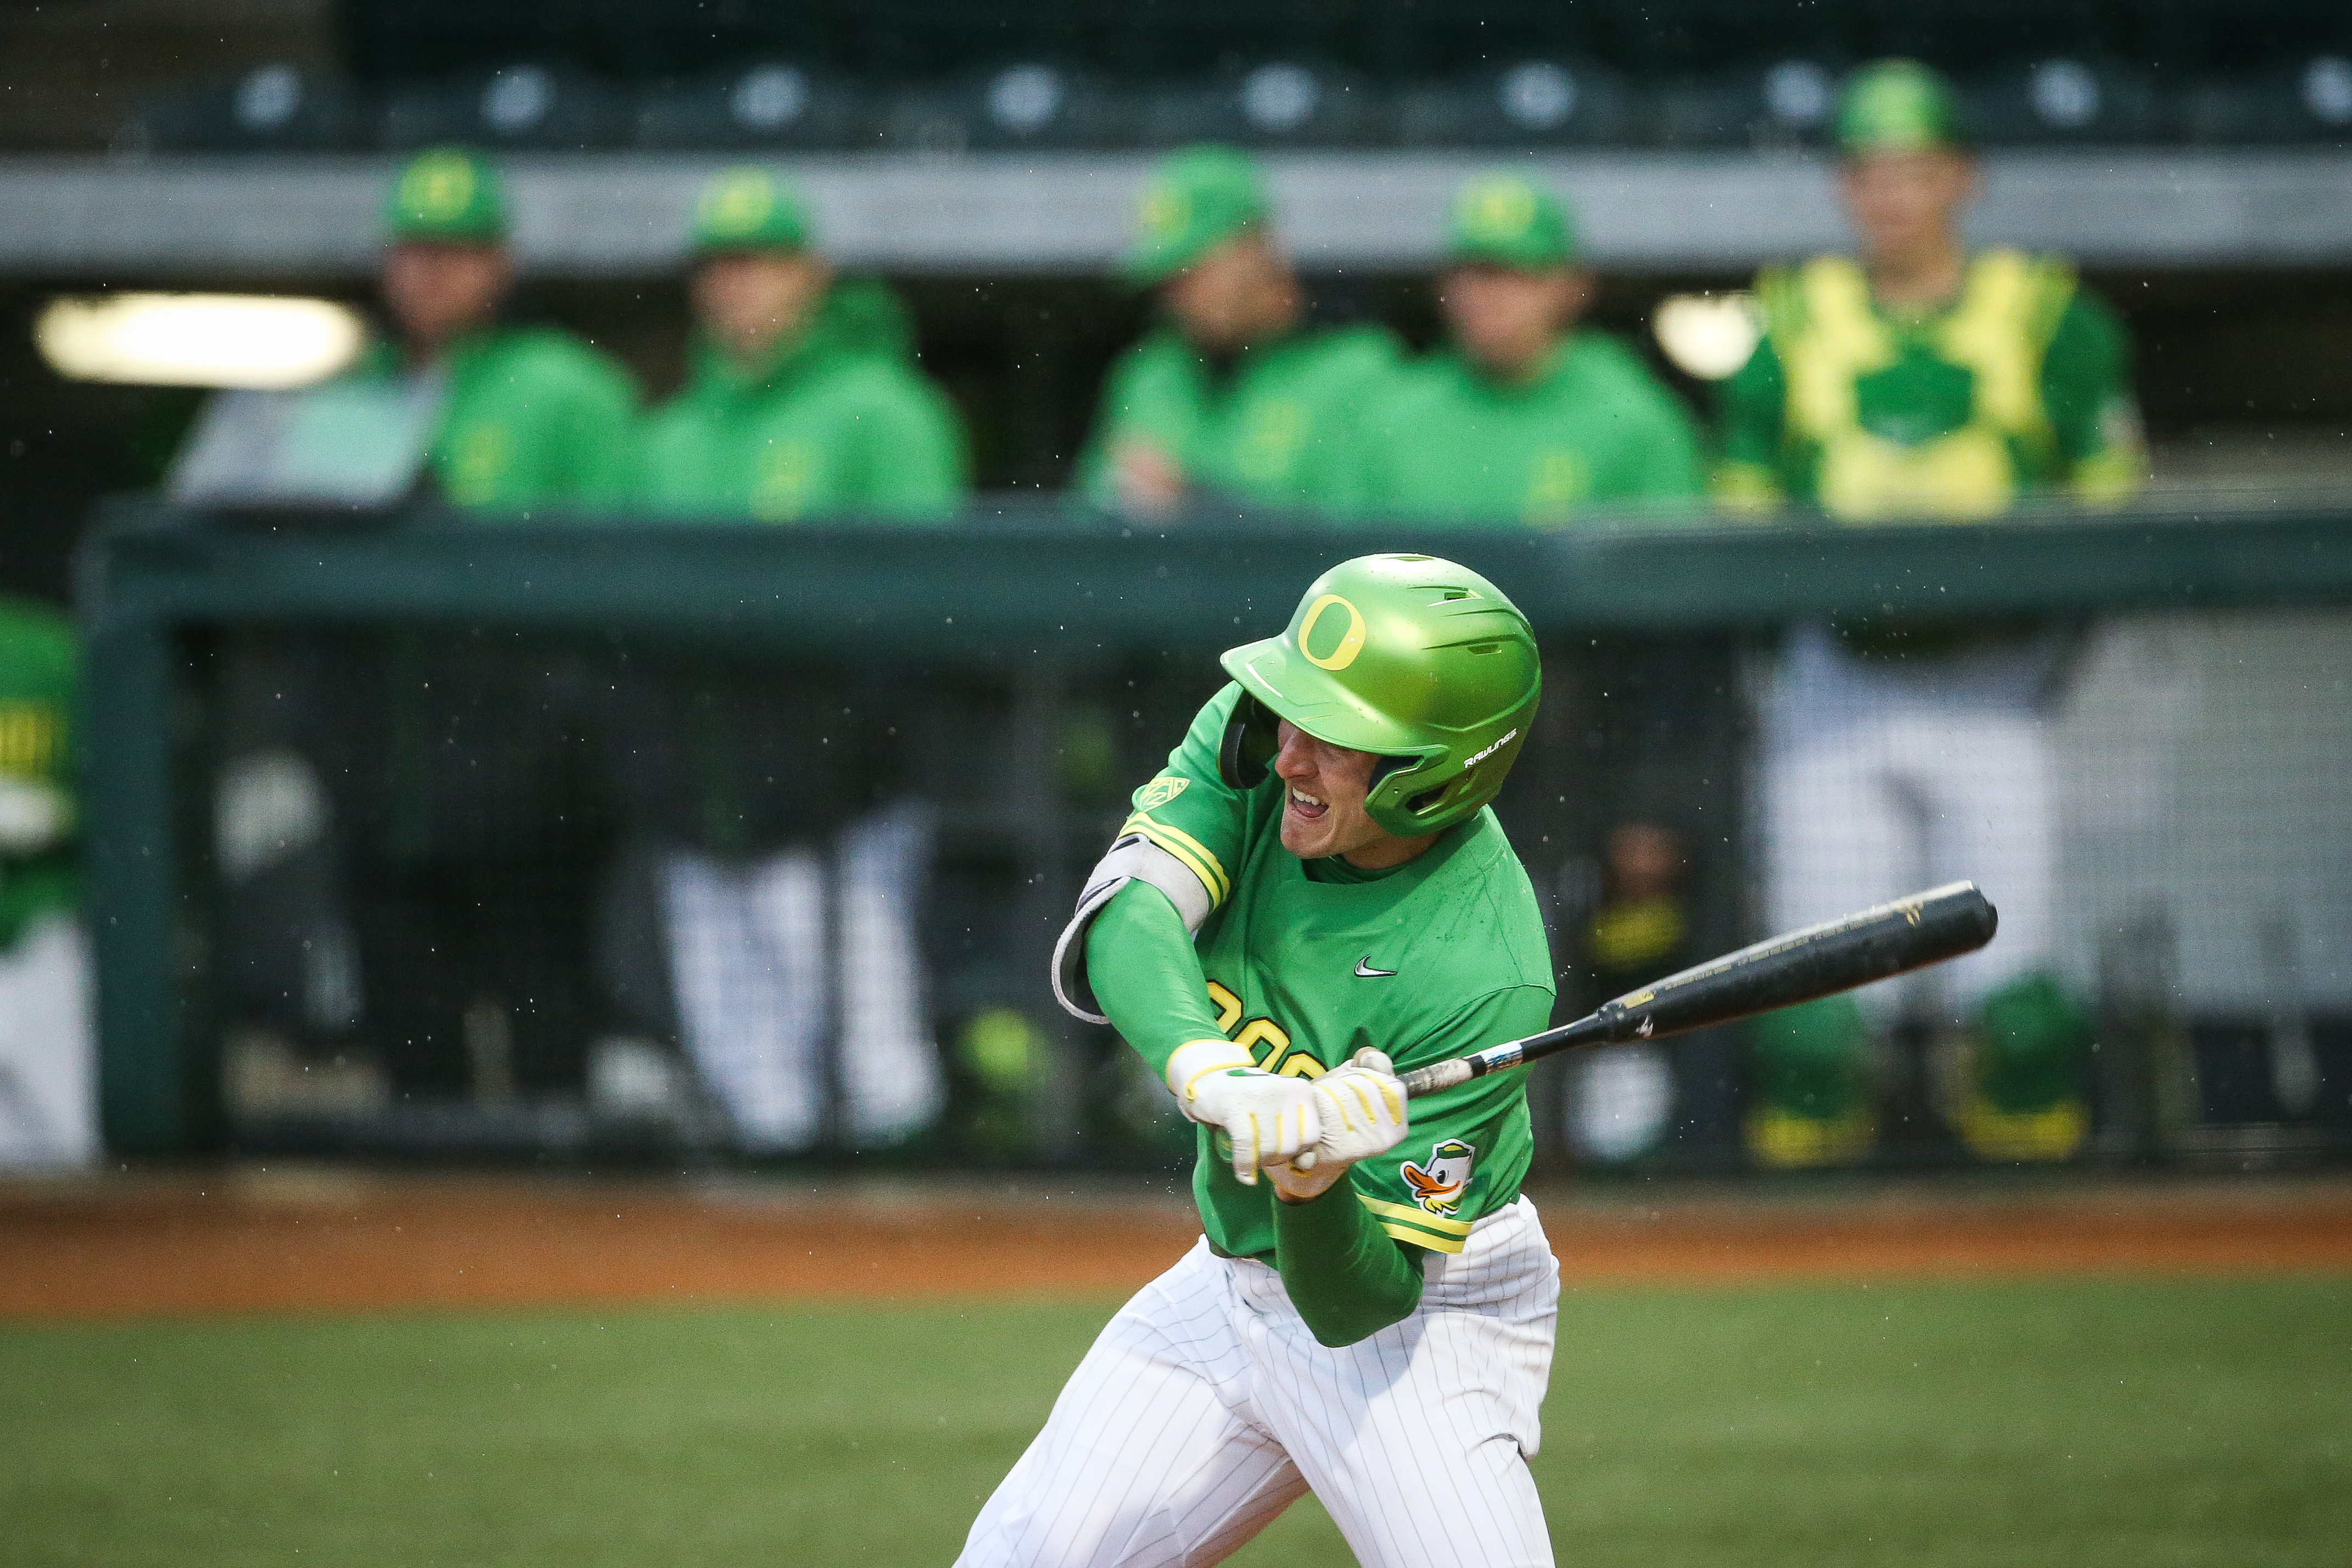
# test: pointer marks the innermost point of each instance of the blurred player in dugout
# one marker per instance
(531, 415)
(803, 399)
(1524, 414)
(786, 903)
(1232, 394)
(1921, 380)
(48, 1077)
(462, 772)
(428, 787)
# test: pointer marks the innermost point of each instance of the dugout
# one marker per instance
(574, 696)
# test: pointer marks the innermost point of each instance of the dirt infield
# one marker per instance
(322, 1239)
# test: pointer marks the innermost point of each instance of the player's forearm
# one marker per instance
(1348, 1279)
(1147, 976)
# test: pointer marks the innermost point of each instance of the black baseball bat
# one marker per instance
(1819, 960)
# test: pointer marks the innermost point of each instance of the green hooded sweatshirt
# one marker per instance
(534, 417)
(1594, 428)
(1277, 427)
(38, 658)
(839, 420)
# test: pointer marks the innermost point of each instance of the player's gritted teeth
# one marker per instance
(1323, 814)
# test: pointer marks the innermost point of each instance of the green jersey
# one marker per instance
(1309, 962)
(1594, 428)
(1277, 427)
(837, 420)
(37, 665)
(533, 416)
(2021, 384)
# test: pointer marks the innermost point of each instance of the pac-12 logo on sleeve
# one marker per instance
(1158, 791)
(1438, 1186)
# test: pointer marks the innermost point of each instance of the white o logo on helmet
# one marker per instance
(1344, 655)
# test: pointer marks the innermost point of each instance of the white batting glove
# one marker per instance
(1269, 1120)
(1361, 1106)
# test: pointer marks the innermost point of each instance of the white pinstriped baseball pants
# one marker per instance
(1205, 1408)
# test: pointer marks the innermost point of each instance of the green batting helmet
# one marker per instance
(1413, 659)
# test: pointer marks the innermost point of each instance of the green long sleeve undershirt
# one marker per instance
(1146, 975)
(1345, 1277)
(1348, 1279)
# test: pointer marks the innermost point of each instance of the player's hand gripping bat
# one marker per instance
(1819, 960)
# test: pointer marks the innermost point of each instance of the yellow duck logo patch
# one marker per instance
(1438, 1186)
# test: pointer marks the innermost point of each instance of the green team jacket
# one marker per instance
(39, 661)
(1276, 428)
(2021, 384)
(1309, 962)
(839, 420)
(1445, 443)
(534, 416)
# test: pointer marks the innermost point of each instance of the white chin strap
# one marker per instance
(1133, 859)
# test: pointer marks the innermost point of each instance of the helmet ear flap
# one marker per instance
(1248, 747)
(1386, 802)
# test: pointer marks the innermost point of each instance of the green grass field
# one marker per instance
(2153, 1425)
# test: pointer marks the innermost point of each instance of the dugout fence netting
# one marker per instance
(459, 886)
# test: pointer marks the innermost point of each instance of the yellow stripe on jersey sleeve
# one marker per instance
(1419, 1227)
(1206, 871)
(1196, 857)
(1405, 1212)
(1221, 886)
(1429, 1239)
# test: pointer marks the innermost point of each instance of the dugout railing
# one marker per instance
(341, 772)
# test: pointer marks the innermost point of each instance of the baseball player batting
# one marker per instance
(1311, 897)
(1309, 902)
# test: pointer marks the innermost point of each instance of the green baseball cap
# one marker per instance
(1197, 199)
(1899, 106)
(1510, 222)
(449, 194)
(748, 208)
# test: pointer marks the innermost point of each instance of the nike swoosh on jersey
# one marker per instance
(1364, 969)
